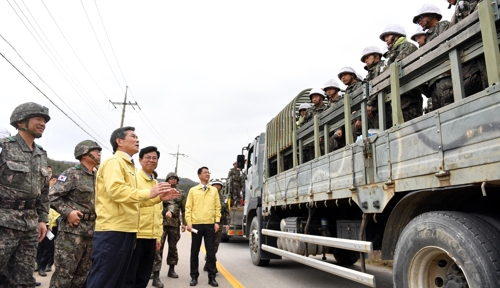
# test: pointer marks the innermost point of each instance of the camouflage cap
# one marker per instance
(28, 110)
(172, 174)
(85, 147)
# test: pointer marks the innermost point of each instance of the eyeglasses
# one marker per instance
(149, 158)
(206, 172)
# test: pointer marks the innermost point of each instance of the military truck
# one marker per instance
(425, 192)
(235, 214)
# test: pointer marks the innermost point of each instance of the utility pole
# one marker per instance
(176, 155)
(124, 105)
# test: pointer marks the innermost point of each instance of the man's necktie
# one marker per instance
(132, 160)
(204, 188)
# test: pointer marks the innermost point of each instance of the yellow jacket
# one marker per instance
(202, 207)
(53, 215)
(151, 225)
(117, 196)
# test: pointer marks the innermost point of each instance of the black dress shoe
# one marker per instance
(193, 282)
(213, 283)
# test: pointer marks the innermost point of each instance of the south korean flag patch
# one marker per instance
(62, 178)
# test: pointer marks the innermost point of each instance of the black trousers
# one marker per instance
(47, 258)
(111, 254)
(141, 264)
(205, 232)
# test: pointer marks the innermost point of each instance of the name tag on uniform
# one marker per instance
(62, 178)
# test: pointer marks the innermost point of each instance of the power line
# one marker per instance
(43, 49)
(176, 155)
(12, 64)
(74, 52)
(45, 84)
(125, 105)
(99, 42)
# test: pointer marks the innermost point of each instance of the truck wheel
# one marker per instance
(447, 249)
(345, 257)
(254, 241)
(225, 240)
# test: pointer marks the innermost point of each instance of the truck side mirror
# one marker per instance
(240, 161)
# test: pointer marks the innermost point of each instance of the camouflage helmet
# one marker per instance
(84, 147)
(172, 174)
(28, 110)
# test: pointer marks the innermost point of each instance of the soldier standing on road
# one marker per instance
(394, 36)
(73, 196)
(236, 184)
(224, 220)
(173, 216)
(23, 174)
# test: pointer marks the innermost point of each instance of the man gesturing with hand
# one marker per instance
(117, 208)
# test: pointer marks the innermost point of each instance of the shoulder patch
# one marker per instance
(11, 139)
(62, 178)
(77, 167)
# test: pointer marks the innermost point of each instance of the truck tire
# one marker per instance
(345, 257)
(254, 243)
(447, 249)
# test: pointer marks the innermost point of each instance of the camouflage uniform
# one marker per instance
(441, 87)
(349, 91)
(462, 11)
(74, 190)
(23, 174)
(340, 99)
(411, 101)
(237, 182)
(313, 111)
(171, 230)
(373, 122)
(473, 72)
(224, 220)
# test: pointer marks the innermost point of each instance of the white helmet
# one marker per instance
(420, 31)
(217, 181)
(428, 9)
(316, 91)
(332, 83)
(370, 50)
(304, 106)
(346, 69)
(394, 29)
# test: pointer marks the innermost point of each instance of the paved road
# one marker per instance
(237, 270)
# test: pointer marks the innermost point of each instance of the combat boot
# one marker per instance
(156, 279)
(171, 272)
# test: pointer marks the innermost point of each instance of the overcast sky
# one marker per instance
(207, 75)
